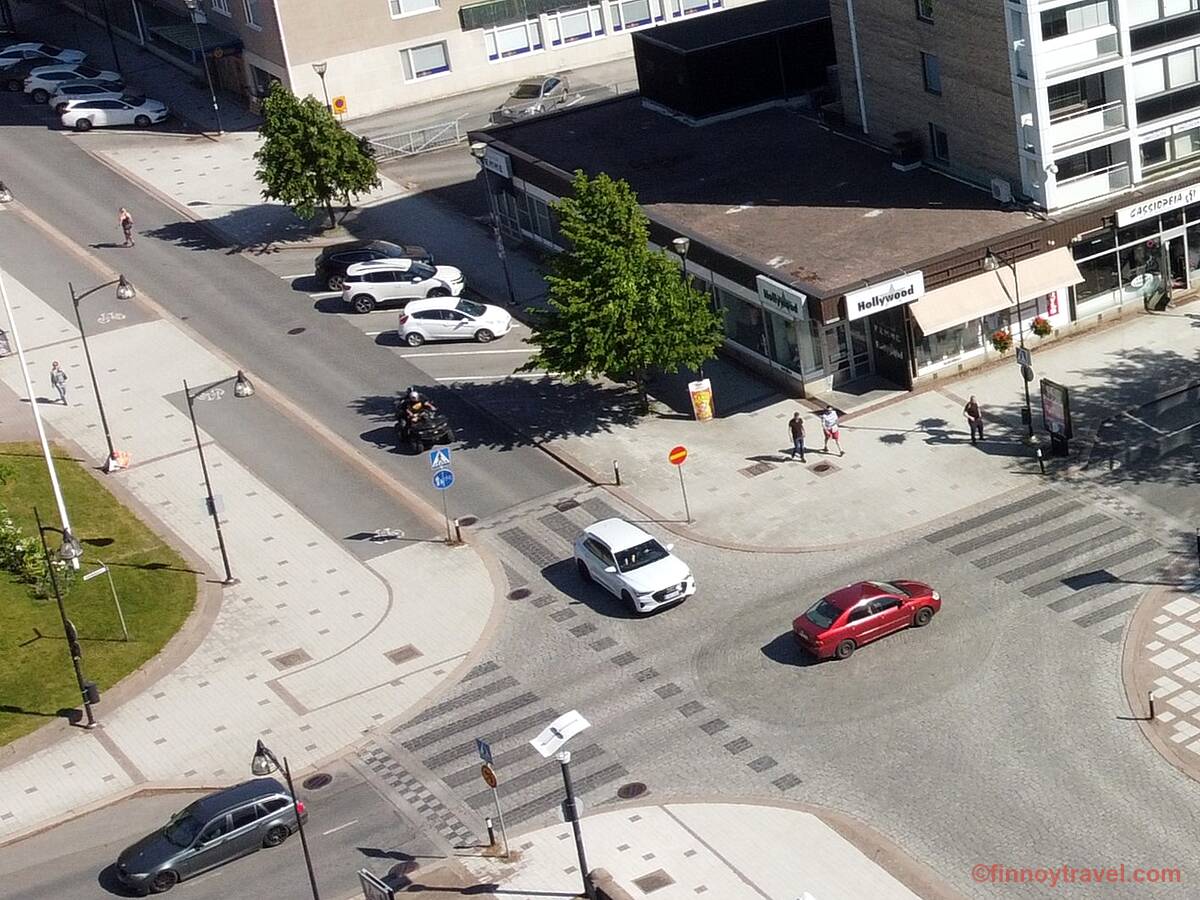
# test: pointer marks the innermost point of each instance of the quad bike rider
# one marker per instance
(418, 422)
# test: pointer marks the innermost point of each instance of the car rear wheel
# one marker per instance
(845, 649)
(414, 339)
(584, 572)
(335, 282)
(142, 121)
(83, 124)
(363, 303)
(924, 614)
(13, 84)
(163, 882)
(438, 292)
(60, 108)
(483, 335)
(38, 95)
(275, 836)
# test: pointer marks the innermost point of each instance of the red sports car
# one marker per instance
(840, 623)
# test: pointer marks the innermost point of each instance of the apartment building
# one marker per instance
(384, 54)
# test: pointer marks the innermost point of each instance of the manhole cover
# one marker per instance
(404, 654)
(564, 505)
(316, 782)
(823, 468)
(291, 658)
(654, 881)
(299, 330)
(756, 469)
(467, 520)
(631, 790)
(519, 594)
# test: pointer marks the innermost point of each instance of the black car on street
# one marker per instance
(330, 267)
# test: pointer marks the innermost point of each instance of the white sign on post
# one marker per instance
(558, 732)
(498, 161)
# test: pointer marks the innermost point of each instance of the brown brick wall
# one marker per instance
(975, 107)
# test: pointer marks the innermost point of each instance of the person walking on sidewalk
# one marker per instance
(58, 381)
(974, 416)
(796, 429)
(126, 221)
(829, 426)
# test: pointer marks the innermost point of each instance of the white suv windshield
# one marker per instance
(422, 271)
(641, 555)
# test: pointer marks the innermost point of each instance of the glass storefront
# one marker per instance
(950, 344)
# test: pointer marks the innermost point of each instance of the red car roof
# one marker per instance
(844, 598)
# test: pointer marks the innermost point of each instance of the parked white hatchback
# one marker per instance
(43, 81)
(383, 282)
(452, 319)
(631, 564)
(84, 90)
(126, 110)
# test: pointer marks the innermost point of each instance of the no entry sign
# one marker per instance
(677, 455)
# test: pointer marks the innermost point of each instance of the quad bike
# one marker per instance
(429, 429)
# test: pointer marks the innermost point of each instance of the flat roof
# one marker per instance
(735, 24)
(822, 210)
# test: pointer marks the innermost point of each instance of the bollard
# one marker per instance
(491, 832)
(5, 194)
(1041, 461)
(1198, 546)
(457, 532)
(617, 473)
(1150, 696)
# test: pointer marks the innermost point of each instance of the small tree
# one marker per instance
(616, 308)
(307, 158)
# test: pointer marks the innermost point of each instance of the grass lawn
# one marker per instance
(156, 593)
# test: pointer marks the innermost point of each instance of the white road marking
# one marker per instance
(325, 295)
(494, 377)
(339, 827)
(301, 275)
(456, 352)
(376, 333)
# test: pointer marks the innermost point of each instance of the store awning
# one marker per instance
(981, 294)
(185, 36)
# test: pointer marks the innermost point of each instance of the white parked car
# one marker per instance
(33, 49)
(452, 319)
(44, 80)
(126, 110)
(381, 282)
(632, 565)
(84, 90)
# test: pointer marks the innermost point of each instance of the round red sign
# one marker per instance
(677, 456)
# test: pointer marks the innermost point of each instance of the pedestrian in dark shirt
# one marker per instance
(796, 430)
(974, 416)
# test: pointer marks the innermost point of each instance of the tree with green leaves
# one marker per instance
(616, 308)
(307, 159)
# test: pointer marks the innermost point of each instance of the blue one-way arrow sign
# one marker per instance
(439, 458)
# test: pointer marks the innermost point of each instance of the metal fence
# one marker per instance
(447, 134)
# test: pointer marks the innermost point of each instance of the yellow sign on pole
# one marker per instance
(339, 105)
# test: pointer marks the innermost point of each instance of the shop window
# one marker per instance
(567, 26)
(513, 40)
(411, 7)
(1141, 275)
(1138, 231)
(743, 321)
(1100, 276)
(629, 14)
(949, 344)
(425, 61)
(931, 71)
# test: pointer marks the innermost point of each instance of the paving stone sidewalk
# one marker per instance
(310, 650)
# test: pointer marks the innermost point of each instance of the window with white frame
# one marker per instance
(1140, 11)
(1175, 70)
(220, 6)
(691, 7)
(411, 7)
(630, 14)
(513, 40)
(566, 26)
(251, 7)
(425, 61)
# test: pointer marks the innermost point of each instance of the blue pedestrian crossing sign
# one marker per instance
(484, 749)
(439, 458)
(442, 479)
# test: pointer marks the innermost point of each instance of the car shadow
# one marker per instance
(110, 884)
(308, 284)
(389, 339)
(330, 305)
(784, 650)
(563, 577)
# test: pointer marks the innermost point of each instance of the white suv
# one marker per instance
(632, 565)
(396, 281)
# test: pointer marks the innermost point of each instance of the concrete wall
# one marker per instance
(975, 107)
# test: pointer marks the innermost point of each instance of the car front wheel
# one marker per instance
(628, 598)
(584, 573)
(845, 649)
(484, 336)
(438, 292)
(275, 836)
(83, 124)
(39, 96)
(163, 882)
(142, 121)
(923, 616)
(363, 303)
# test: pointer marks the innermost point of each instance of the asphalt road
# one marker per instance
(301, 347)
(349, 827)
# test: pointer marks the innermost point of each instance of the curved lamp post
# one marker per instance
(992, 263)
(264, 763)
(320, 68)
(125, 291)
(197, 16)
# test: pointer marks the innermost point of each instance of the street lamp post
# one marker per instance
(264, 763)
(70, 551)
(479, 151)
(112, 42)
(37, 415)
(125, 291)
(564, 762)
(320, 68)
(681, 245)
(197, 16)
(241, 388)
(992, 263)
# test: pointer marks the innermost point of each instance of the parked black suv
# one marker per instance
(213, 830)
(331, 265)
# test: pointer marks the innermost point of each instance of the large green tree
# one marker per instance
(616, 308)
(307, 159)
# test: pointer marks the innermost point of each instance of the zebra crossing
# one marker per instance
(1074, 558)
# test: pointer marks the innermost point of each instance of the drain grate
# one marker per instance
(756, 469)
(519, 594)
(564, 505)
(467, 520)
(404, 654)
(316, 782)
(631, 790)
(299, 330)
(291, 658)
(654, 881)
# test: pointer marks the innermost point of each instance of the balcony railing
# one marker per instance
(1091, 185)
(1057, 60)
(1084, 124)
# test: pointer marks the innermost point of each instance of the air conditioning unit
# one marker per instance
(1001, 191)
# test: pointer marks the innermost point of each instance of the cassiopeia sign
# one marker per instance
(885, 295)
(781, 299)
(1127, 215)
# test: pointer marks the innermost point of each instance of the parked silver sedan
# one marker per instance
(533, 96)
